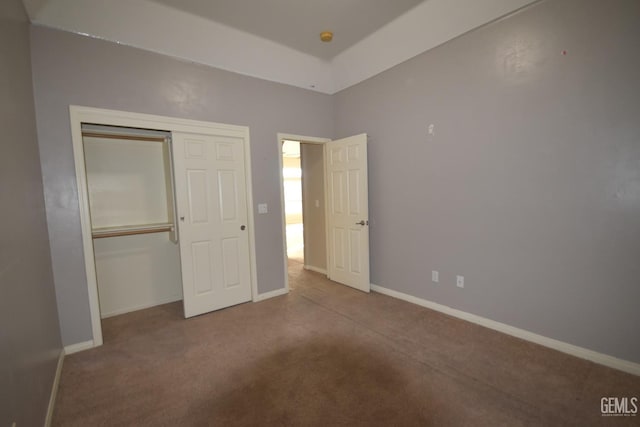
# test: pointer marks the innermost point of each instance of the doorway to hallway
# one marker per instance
(292, 191)
(324, 198)
(303, 202)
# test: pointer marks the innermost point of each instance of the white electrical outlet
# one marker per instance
(263, 208)
(435, 276)
(460, 281)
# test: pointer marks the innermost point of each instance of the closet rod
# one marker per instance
(128, 137)
(130, 231)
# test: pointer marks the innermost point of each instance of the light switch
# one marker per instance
(263, 208)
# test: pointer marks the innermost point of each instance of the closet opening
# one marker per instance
(132, 214)
(166, 213)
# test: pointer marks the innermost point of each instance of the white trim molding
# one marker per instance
(77, 347)
(573, 350)
(54, 390)
(271, 294)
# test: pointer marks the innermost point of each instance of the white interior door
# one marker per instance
(348, 211)
(212, 221)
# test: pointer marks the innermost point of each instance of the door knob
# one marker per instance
(242, 227)
(182, 218)
(362, 222)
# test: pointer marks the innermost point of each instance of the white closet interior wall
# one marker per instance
(129, 184)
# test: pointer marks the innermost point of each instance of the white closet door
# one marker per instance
(212, 220)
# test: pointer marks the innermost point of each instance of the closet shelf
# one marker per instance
(129, 230)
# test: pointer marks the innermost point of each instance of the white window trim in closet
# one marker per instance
(80, 115)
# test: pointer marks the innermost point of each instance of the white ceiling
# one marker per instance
(278, 40)
(298, 23)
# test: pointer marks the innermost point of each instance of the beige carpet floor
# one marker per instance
(326, 355)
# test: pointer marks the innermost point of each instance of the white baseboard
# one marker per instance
(139, 307)
(316, 269)
(81, 346)
(54, 390)
(583, 353)
(267, 295)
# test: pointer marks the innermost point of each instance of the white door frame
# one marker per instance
(79, 115)
(301, 139)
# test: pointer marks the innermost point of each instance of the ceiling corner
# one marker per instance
(33, 7)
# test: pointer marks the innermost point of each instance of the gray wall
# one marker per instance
(29, 333)
(530, 187)
(315, 245)
(71, 69)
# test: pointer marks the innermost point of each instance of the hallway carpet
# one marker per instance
(295, 242)
(326, 355)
